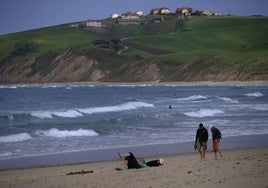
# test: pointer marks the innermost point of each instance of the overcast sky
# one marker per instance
(21, 15)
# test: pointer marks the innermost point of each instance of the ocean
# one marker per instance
(54, 119)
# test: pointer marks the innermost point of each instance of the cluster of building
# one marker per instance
(187, 11)
(136, 18)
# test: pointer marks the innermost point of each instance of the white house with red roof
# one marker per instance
(187, 11)
(154, 11)
(164, 10)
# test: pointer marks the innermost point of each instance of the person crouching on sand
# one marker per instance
(216, 137)
(201, 139)
(131, 162)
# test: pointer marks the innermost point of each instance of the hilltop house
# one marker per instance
(130, 18)
(93, 23)
(114, 15)
(154, 11)
(207, 13)
(162, 10)
(186, 11)
(140, 13)
(128, 15)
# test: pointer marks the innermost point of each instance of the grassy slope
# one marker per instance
(210, 44)
(229, 43)
(222, 33)
(47, 39)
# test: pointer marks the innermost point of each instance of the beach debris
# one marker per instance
(80, 172)
(189, 172)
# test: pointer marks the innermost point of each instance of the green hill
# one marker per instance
(195, 49)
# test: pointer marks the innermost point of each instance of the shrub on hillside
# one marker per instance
(23, 47)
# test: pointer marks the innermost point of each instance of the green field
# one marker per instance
(47, 39)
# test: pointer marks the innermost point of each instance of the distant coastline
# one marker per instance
(263, 82)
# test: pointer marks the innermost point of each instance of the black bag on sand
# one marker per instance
(157, 162)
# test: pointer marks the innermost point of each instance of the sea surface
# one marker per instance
(51, 119)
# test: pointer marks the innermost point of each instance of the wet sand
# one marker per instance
(144, 151)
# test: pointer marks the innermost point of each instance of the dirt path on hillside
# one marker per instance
(151, 50)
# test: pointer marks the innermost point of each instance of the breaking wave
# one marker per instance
(20, 137)
(8, 87)
(15, 138)
(66, 133)
(226, 99)
(203, 113)
(68, 113)
(72, 113)
(42, 114)
(192, 98)
(255, 94)
(116, 108)
(50, 114)
(261, 107)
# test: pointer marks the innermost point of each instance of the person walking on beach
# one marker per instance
(216, 137)
(201, 139)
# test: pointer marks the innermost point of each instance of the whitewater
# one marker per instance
(40, 120)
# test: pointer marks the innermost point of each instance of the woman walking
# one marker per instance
(216, 137)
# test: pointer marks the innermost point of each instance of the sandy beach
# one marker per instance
(238, 168)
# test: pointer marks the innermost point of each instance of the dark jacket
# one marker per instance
(201, 135)
(216, 134)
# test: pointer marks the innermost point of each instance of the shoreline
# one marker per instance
(240, 168)
(154, 83)
(147, 151)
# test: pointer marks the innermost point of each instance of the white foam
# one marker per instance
(8, 87)
(203, 113)
(6, 154)
(10, 117)
(66, 133)
(50, 114)
(130, 85)
(226, 99)
(192, 98)
(256, 94)
(261, 107)
(51, 86)
(72, 113)
(68, 113)
(42, 114)
(116, 108)
(15, 138)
